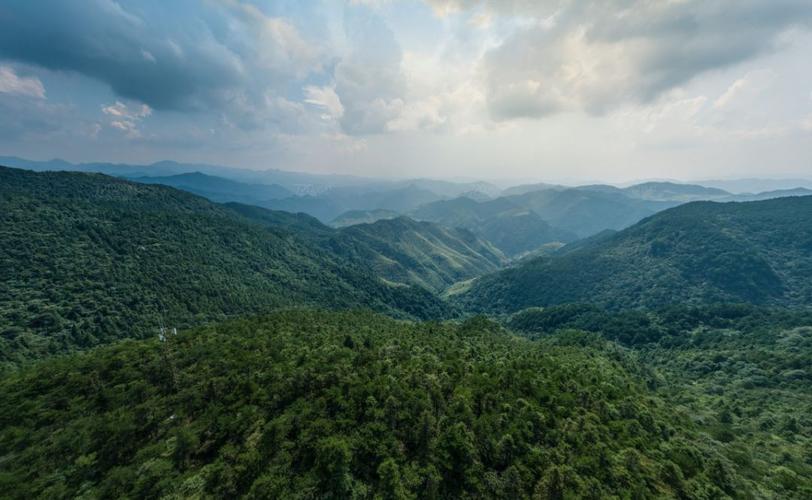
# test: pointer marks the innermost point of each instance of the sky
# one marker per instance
(559, 90)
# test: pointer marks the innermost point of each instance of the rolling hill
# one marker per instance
(352, 217)
(523, 223)
(303, 404)
(87, 259)
(219, 189)
(402, 250)
(511, 228)
(334, 202)
(756, 252)
(672, 191)
(586, 212)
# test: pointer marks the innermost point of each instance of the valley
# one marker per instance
(624, 335)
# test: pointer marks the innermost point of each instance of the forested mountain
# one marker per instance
(315, 405)
(606, 396)
(672, 191)
(511, 228)
(399, 250)
(353, 217)
(523, 223)
(769, 195)
(652, 191)
(740, 373)
(298, 182)
(87, 259)
(332, 203)
(220, 189)
(406, 251)
(586, 212)
(757, 252)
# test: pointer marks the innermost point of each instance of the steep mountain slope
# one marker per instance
(399, 250)
(219, 189)
(758, 252)
(651, 191)
(352, 217)
(586, 212)
(671, 191)
(332, 203)
(314, 405)
(406, 251)
(87, 258)
(529, 188)
(511, 228)
(299, 182)
(769, 195)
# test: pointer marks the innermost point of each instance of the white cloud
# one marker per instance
(126, 119)
(11, 83)
(278, 46)
(595, 56)
(806, 124)
(730, 94)
(326, 99)
(148, 55)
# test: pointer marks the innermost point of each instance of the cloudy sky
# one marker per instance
(555, 90)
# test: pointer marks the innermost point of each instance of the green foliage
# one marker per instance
(353, 217)
(286, 407)
(405, 251)
(742, 373)
(87, 259)
(512, 228)
(698, 253)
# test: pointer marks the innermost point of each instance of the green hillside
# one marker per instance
(332, 203)
(87, 259)
(315, 405)
(671, 191)
(399, 250)
(352, 217)
(513, 229)
(757, 252)
(406, 251)
(586, 212)
(740, 373)
(219, 189)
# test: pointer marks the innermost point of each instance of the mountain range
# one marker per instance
(518, 220)
(614, 366)
(701, 252)
(87, 258)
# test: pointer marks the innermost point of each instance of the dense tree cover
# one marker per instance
(86, 259)
(305, 404)
(353, 217)
(406, 251)
(616, 393)
(703, 252)
(669, 326)
(400, 250)
(587, 211)
(219, 189)
(742, 373)
(512, 228)
(328, 205)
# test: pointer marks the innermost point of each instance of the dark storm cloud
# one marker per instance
(137, 56)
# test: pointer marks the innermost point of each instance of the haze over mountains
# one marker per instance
(703, 252)
(517, 220)
(467, 249)
(98, 263)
